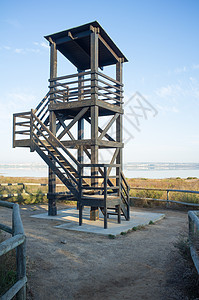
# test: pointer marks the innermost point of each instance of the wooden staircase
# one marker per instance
(111, 199)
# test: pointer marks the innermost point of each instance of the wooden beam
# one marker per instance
(119, 128)
(76, 118)
(109, 48)
(80, 129)
(70, 105)
(64, 126)
(101, 130)
(108, 126)
(52, 209)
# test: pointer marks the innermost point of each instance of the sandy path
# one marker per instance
(87, 266)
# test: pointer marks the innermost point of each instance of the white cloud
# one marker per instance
(195, 67)
(7, 47)
(166, 109)
(181, 70)
(171, 90)
(44, 45)
(19, 51)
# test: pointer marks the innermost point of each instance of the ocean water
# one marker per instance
(134, 170)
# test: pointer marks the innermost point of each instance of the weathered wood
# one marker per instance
(70, 76)
(105, 198)
(20, 284)
(108, 126)
(111, 79)
(76, 118)
(16, 221)
(109, 48)
(52, 209)
(6, 228)
(119, 128)
(11, 243)
(6, 204)
(73, 99)
(70, 105)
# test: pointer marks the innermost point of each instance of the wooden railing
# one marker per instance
(100, 183)
(194, 237)
(80, 86)
(125, 189)
(22, 121)
(18, 241)
(165, 200)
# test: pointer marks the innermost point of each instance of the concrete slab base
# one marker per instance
(71, 221)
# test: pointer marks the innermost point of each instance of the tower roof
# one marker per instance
(74, 44)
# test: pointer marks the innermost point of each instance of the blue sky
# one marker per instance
(160, 40)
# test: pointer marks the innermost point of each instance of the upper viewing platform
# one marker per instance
(75, 43)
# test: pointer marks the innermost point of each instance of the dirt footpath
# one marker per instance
(65, 264)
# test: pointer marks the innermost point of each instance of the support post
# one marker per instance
(119, 127)
(52, 209)
(80, 121)
(94, 213)
(105, 197)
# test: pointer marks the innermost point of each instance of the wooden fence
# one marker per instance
(194, 237)
(18, 241)
(165, 200)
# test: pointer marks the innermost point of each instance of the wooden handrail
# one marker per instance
(55, 139)
(18, 241)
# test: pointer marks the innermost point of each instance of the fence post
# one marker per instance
(24, 189)
(191, 230)
(167, 199)
(21, 269)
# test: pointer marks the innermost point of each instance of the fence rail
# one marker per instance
(18, 241)
(24, 192)
(193, 237)
(165, 200)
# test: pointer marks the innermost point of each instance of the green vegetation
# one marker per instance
(111, 236)
(123, 233)
(28, 194)
(151, 223)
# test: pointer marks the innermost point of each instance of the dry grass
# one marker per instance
(170, 183)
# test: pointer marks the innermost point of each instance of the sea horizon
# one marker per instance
(131, 170)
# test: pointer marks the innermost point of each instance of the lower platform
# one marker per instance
(70, 217)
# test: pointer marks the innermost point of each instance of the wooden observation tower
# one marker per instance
(65, 128)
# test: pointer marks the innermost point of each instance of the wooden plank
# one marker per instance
(109, 106)
(22, 143)
(70, 105)
(110, 144)
(109, 78)
(70, 76)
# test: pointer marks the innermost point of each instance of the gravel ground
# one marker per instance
(64, 264)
